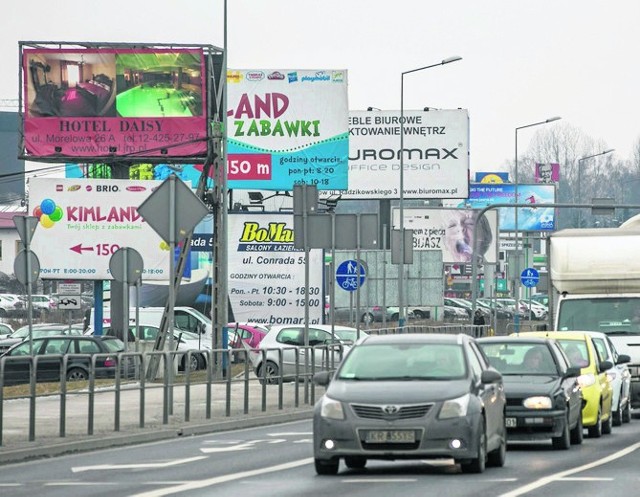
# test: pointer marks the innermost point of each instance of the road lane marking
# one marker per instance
(379, 480)
(223, 479)
(563, 474)
(167, 464)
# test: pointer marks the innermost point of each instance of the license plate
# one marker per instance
(511, 422)
(390, 436)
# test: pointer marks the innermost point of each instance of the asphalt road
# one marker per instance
(277, 460)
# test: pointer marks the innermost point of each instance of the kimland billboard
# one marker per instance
(287, 127)
(116, 102)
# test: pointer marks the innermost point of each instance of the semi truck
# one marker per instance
(596, 274)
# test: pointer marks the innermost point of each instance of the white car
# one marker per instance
(619, 376)
(538, 311)
(284, 345)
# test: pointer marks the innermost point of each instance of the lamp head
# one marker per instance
(551, 119)
(448, 60)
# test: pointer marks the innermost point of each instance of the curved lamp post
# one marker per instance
(401, 308)
(579, 199)
(516, 271)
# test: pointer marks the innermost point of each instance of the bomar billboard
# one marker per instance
(106, 102)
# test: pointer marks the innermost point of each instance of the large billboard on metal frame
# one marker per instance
(114, 102)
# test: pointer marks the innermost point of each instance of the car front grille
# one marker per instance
(390, 412)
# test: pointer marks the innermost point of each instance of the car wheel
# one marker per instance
(498, 457)
(478, 464)
(607, 425)
(577, 434)
(418, 314)
(367, 318)
(395, 316)
(563, 442)
(626, 413)
(269, 373)
(617, 415)
(77, 374)
(355, 462)
(324, 467)
(595, 431)
(194, 362)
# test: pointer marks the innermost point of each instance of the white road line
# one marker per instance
(563, 474)
(223, 479)
(167, 464)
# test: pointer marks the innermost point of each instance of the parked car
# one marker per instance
(5, 330)
(541, 298)
(597, 391)
(410, 396)
(10, 305)
(37, 331)
(249, 334)
(184, 341)
(285, 345)
(374, 314)
(40, 304)
(501, 311)
(454, 313)
(49, 351)
(534, 310)
(619, 376)
(544, 400)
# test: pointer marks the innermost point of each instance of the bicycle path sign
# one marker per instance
(347, 275)
(530, 277)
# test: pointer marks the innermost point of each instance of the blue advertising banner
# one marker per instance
(534, 218)
(492, 177)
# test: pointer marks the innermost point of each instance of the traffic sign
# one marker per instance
(347, 275)
(530, 277)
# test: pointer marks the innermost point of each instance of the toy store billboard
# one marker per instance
(435, 157)
(537, 217)
(287, 127)
(83, 103)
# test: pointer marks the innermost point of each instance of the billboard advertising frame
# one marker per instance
(436, 155)
(90, 102)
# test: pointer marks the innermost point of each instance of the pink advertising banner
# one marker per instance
(106, 102)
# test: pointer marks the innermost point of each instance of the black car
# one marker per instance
(47, 358)
(544, 400)
(410, 396)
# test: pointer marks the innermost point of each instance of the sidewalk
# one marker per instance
(235, 404)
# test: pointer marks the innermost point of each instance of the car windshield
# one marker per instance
(522, 358)
(613, 316)
(348, 335)
(406, 362)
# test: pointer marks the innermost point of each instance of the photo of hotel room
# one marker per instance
(159, 85)
(73, 85)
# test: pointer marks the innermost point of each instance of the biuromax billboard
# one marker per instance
(114, 102)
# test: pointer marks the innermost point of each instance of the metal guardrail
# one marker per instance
(130, 402)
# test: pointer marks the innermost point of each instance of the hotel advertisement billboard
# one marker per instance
(133, 103)
(287, 127)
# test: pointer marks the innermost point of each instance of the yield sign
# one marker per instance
(188, 209)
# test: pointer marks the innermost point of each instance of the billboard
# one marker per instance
(435, 161)
(492, 177)
(114, 102)
(287, 127)
(451, 231)
(267, 273)
(547, 173)
(534, 218)
(81, 223)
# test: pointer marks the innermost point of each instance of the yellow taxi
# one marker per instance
(597, 392)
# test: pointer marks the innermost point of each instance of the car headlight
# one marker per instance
(586, 380)
(539, 402)
(455, 408)
(331, 408)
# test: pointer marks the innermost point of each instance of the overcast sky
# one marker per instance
(523, 61)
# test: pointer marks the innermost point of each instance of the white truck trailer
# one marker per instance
(596, 273)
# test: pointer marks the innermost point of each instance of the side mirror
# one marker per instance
(490, 376)
(323, 378)
(604, 365)
(623, 359)
(572, 372)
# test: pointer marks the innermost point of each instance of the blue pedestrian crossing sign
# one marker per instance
(530, 277)
(347, 275)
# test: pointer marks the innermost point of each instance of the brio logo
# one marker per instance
(275, 232)
(107, 188)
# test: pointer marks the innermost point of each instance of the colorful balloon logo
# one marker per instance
(48, 213)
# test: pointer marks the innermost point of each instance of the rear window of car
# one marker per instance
(113, 344)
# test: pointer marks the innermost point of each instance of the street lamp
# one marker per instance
(579, 199)
(401, 313)
(516, 271)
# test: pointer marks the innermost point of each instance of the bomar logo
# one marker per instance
(275, 232)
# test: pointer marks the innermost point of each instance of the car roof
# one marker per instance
(327, 327)
(417, 338)
(515, 339)
(558, 335)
